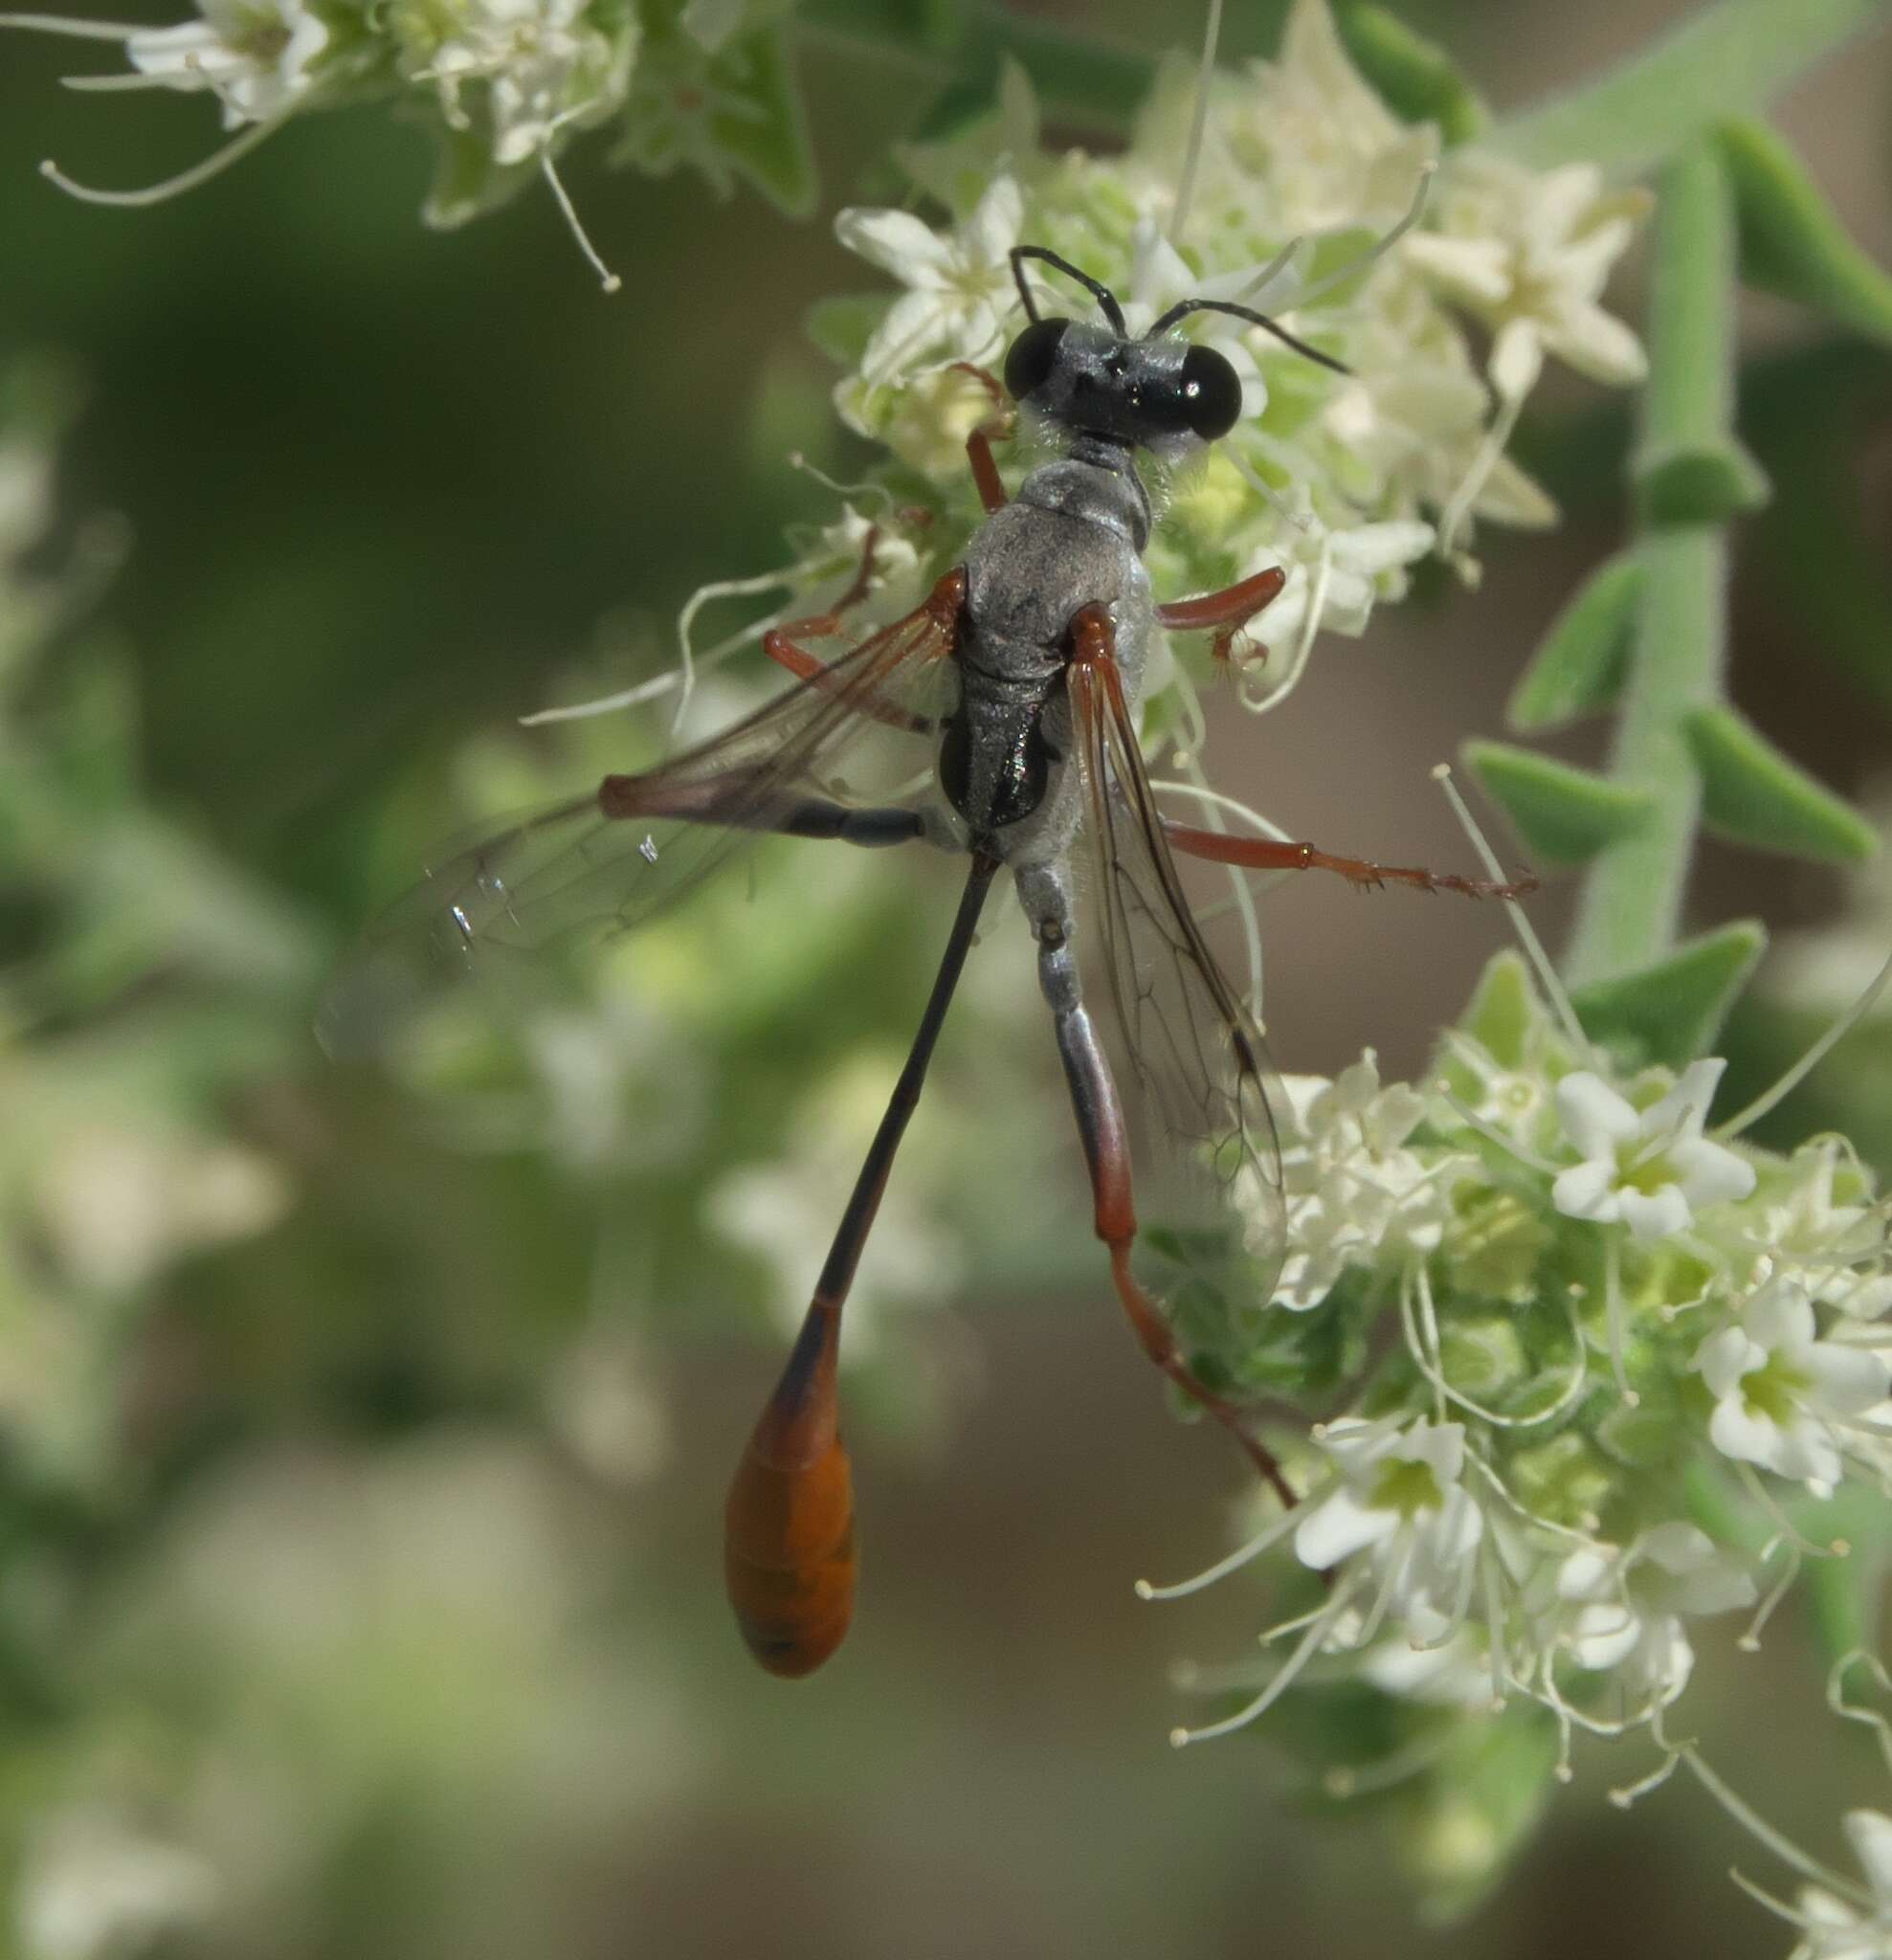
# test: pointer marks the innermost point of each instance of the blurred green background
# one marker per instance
(359, 1576)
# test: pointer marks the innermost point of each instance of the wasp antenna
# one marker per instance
(1096, 288)
(1198, 125)
(1183, 308)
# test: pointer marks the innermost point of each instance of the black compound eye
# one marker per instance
(1212, 394)
(1028, 364)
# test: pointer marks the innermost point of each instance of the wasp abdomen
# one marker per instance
(789, 1556)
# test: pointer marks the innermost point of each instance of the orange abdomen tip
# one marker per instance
(789, 1555)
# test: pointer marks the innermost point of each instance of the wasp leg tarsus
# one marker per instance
(1270, 854)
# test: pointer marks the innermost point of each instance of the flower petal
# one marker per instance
(1870, 1835)
(1338, 1526)
(1711, 1173)
(1653, 1215)
(1848, 1380)
(1680, 1112)
(1588, 1190)
(1598, 344)
(896, 242)
(992, 230)
(1743, 1432)
(1724, 1358)
(1780, 1316)
(1678, 1546)
(1605, 1635)
(1595, 1117)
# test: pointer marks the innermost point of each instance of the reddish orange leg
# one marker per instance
(979, 444)
(1266, 853)
(1099, 1114)
(943, 604)
(1228, 610)
(825, 624)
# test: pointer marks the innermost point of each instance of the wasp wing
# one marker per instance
(1214, 1200)
(609, 862)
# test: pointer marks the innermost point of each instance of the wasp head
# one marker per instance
(1155, 392)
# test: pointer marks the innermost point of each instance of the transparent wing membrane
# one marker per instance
(558, 879)
(1211, 1194)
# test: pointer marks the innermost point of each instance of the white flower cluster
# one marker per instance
(1306, 202)
(518, 71)
(502, 83)
(112, 1168)
(1597, 1298)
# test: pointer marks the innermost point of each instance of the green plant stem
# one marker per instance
(1632, 899)
(1729, 60)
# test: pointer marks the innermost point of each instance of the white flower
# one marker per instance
(1650, 1168)
(1530, 253)
(1303, 131)
(1400, 1505)
(1776, 1387)
(544, 64)
(1452, 1674)
(832, 563)
(616, 1089)
(255, 56)
(120, 1201)
(1342, 570)
(1831, 1246)
(1836, 1929)
(1355, 1190)
(765, 1207)
(959, 286)
(91, 1888)
(1630, 1606)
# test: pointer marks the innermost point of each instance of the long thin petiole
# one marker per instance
(850, 1235)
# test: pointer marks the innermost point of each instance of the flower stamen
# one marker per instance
(1812, 1057)
(1533, 947)
(215, 164)
(1322, 1625)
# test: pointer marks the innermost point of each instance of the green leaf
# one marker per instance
(1823, 550)
(1792, 242)
(1671, 1010)
(1565, 816)
(1844, 1595)
(1502, 1009)
(1098, 81)
(842, 326)
(91, 737)
(467, 182)
(1704, 483)
(733, 113)
(1416, 77)
(1727, 60)
(1579, 668)
(1754, 794)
